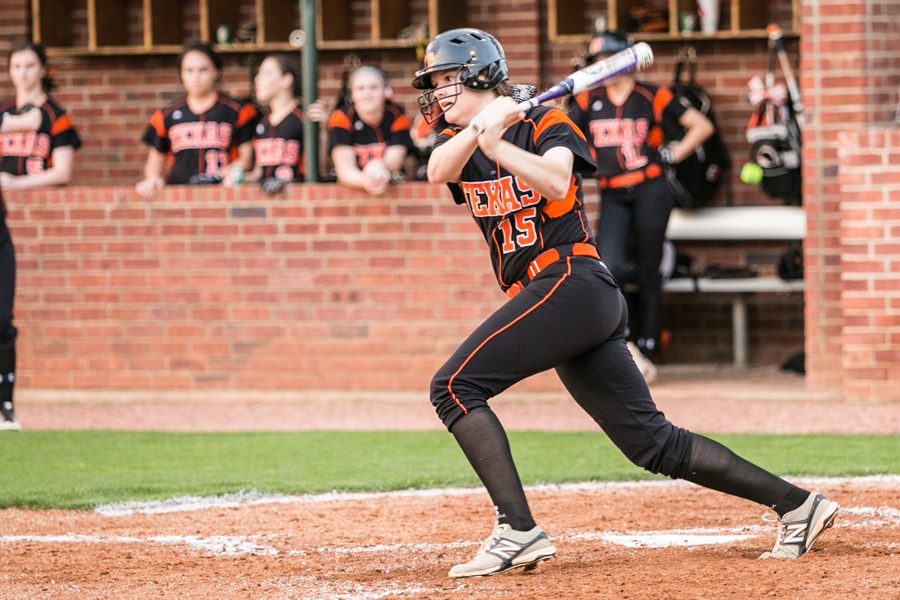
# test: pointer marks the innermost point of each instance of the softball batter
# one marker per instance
(520, 177)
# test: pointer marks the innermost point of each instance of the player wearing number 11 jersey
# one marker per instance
(195, 139)
(200, 144)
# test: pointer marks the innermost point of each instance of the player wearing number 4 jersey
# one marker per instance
(520, 177)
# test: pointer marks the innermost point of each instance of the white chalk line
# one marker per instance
(222, 545)
(871, 518)
(255, 498)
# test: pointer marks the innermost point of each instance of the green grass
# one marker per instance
(81, 469)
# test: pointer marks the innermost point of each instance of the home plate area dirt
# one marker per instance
(641, 540)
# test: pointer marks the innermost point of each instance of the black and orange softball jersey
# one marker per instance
(201, 144)
(516, 221)
(278, 149)
(625, 138)
(345, 128)
(30, 153)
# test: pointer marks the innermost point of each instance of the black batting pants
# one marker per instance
(8, 332)
(571, 317)
(631, 233)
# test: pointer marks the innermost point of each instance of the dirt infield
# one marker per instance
(632, 541)
(641, 541)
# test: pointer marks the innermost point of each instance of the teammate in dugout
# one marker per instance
(28, 118)
(44, 155)
(520, 178)
(278, 136)
(194, 140)
(369, 140)
(622, 121)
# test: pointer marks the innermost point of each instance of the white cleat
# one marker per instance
(803, 526)
(507, 549)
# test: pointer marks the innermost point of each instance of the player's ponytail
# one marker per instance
(47, 82)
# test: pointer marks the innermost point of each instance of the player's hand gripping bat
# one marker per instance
(636, 58)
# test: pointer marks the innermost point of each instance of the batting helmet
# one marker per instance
(604, 43)
(477, 54)
(477, 57)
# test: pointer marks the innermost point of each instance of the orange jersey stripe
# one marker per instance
(660, 101)
(339, 119)
(400, 124)
(61, 124)
(246, 115)
(501, 330)
(159, 123)
(551, 118)
(582, 100)
(557, 208)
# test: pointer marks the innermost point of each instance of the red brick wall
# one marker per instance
(204, 288)
(870, 261)
(325, 289)
(850, 75)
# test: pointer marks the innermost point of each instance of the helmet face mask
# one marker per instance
(475, 55)
(429, 102)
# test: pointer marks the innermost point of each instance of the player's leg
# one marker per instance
(653, 204)
(607, 385)
(617, 244)
(614, 233)
(8, 421)
(544, 325)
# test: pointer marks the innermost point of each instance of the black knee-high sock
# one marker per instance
(7, 371)
(718, 468)
(484, 442)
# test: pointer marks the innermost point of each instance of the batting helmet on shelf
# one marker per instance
(477, 57)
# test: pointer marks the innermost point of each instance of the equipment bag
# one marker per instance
(774, 137)
(696, 178)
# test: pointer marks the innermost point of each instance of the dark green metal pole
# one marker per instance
(310, 88)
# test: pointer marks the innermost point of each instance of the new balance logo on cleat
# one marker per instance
(507, 549)
(801, 527)
(795, 533)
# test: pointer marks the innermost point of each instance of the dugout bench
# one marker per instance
(736, 223)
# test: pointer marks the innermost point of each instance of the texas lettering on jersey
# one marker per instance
(276, 151)
(517, 222)
(498, 197)
(365, 153)
(191, 136)
(628, 135)
(32, 143)
(31, 152)
(278, 148)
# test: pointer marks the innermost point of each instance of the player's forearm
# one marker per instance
(350, 177)
(28, 121)
(154, 168)
(699, 129)
(548, 175)
(394, 157)
(447, 161)
(47, 178)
